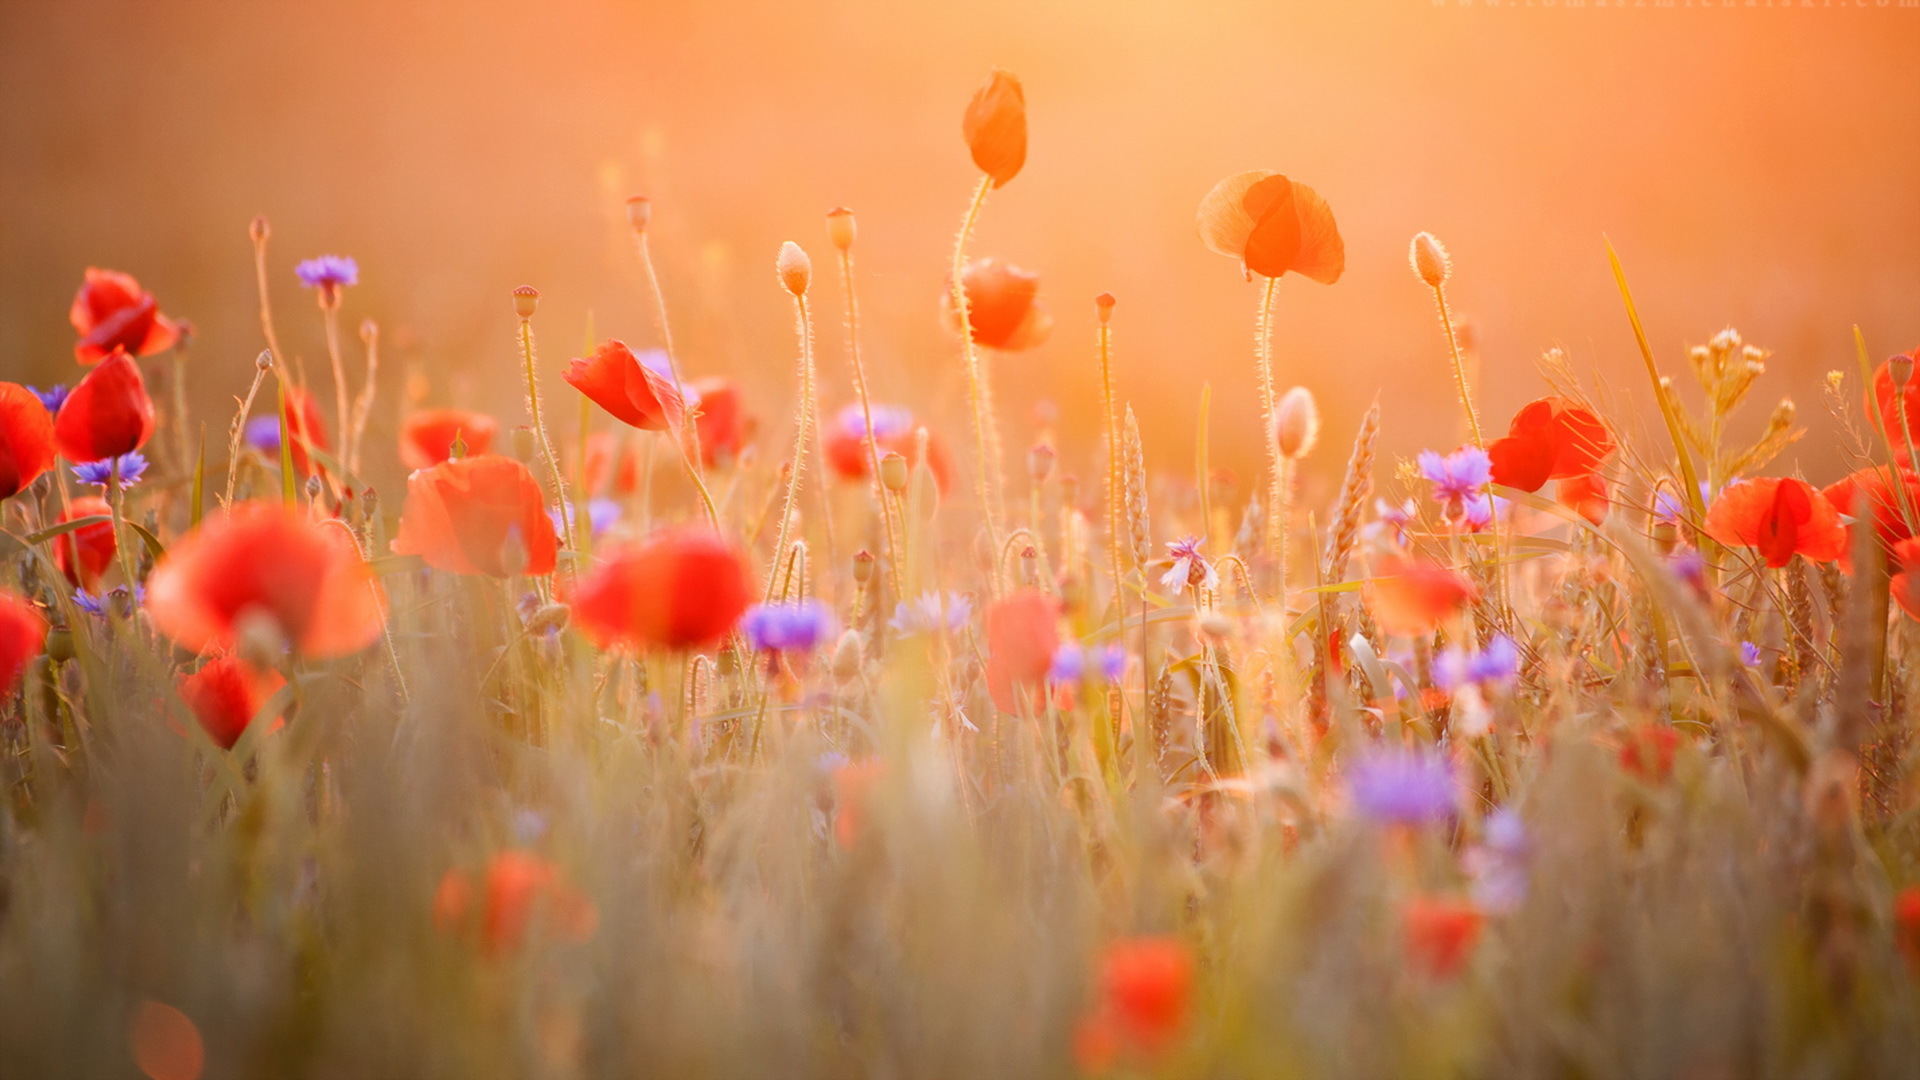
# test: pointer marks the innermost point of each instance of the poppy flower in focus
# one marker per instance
(1273, 225)
(306, 431)
(1023, 633)
(265, 563)
(1780, 517)
(427, 436)
(108, 414)
(84, 554)
(1884, 401)
(1440, 934)
(996, 127)
(1145, 999)
(681, 589)
(1001, 306)
(111, 311)
(1550, 439)
(1585, 495)
(478, 515)
(1648, 750)
(226, 694)
(893, 426)
(723, 424)
(633, 392)
(517, 888)
(1412, 597)
(23, 633)
(1877, 486)
(26, 439)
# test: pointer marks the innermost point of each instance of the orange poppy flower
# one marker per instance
(996, 127)
(1906, 924)
(108, 414)
(1648, 751)
(1413, 597)
(853, 785)
(26, 439)
(226, 694)
(478, 515)
(111, 311)
(518, 887)
(1884, 402)
(1585, 495)
(680, 589)
(1780, 517)
(894, 430)
(1550, 439)
(1001, 305)
(427, 436)
(1145, 989)
(1273, 225)
(1440, 934)
(1023, 633)
(84, 554)
(1905, 584)
(723, 423)
(306, 429)
(23, 633)
(266, 561)
(1876, 486)
(634, 393)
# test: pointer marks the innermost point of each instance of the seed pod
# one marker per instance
(264, 362)
(1040, 461)
(1103, 304)
(862, 566)
(795, 269)
(1429, 258)
(1900, 369)
(893, 471)
(840, 228)
(525, 299)
(639, 212)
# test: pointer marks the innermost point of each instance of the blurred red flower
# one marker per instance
(1145, 996)
(111, 311)
(266, 561)
(1778, 516)
(1884, 402)
(1648, 750)
(226, 694)
(680, 589)
(1585, 495)
(1550, 439)
(1273, 225)
(517, 887)
(995, 127)
(305, 428)
(723, 424)
(108, 414)
(1906, 924)
(427, 436)
(612, 463)
(165, 1043)
(1413, 597)
(1877, 486)
(853, 785)
(23, 632)
(1023, 633)
(478, 515)
(1905, 585)
(1440, 934)
(846, 445)
(1001, 306)
(632, 392)
(26, 439)
(84, 554)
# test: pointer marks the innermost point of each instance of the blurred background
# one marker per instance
(1754, 167)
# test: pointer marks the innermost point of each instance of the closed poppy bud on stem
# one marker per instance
(996, 127)
(1103, 304)
(840, 228)
(639, 212)
(862, 566)
(258, 230)
(525, 299)
(1429, 258)
(1296, 423)
(795, 269)
(893, 471)
(1040, 462)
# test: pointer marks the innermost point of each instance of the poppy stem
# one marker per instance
(983, 441)
(1263, 355)
(688, 434)
(1113, 460)
(259, 234)
(330, 312)
(116, 502)
(803, 422)
(240, 424)
(540, 428)
(866, 416)
(363, 402)
(1459, 366)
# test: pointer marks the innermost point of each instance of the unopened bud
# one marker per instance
(1429, 258)
(795, 269)
(264, 361)
(1782, 417)
(525, 299)
(846, 656)
(1296, 423)
(313, 486)
(258, 229)
(1103, 305)
(369, 331)
(1665, 536)
(863, 566)
(548, 617)
(370, 502)
(1900, 369)
(893, 471)
(1040, 461)
(639, 212)
(840, 228)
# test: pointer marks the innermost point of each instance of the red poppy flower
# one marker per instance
(1023, 633)
(1779, 516)
(265, 561)
(108, 414)
(1584, 495)
(681, 589)
(634, 393)
(26, 439)
(1648, 750)
(306, 429)
(226, 694)
(1876, 486)
(852, 788)
(1906, 924)
(1410, 597)
(723, 423)
(84, 554)
(996, 127)
(1001, 305)
(23, 633)
(1145, 999)
(111, 311)
(427, 436)
(517, 887)
(1884, 401)
(1905, 584)
(1440, 934)
(846, 445)
(478, 515)
(1550, 439)
(1273, 225)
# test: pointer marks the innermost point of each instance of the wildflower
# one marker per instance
(52, 398)
(1553, 438)
(1428, 257)
(1667, 506)
(226, 694)
(1496, 665)
(328, 274)
(1440, 934)
(1391, 520)
(129, 468)
(266, 564)
(166, 1045)
(893, 431)
(1749, 654)
(1113, 663)
(427, 436)
(680, 589)
(305, 428)
(478, 515)
(853, 784)
(1402, 786)
(84, 554)
(108, 414)
(1023, 633)
(633, 392)
(1905, 585)
(995, 127)
(1876, 487)
(263, 434)
(1885, 396)
(1296, 423)
(1481, 510)
(1272, 225)
(1456, 477)
(111, 311)
(1906, 924)
(722, 421)
(1069, 664)
(1001, 306)
(794, 627)
(1498, 864)
(1145, 989)
(22, 634)
(96, 605)
(1648, 751)
(932, 611)
(602, 514)
(1190, 567)
(519, 891)
(1410, 597)
(1584, 495)
(1781, 517)
(26, 439)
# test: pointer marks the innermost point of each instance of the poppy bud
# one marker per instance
(1900, 369)
(1103, 304)
(846, 656)
(639, 212)
(257, 229)
(1296, 423)
(1040, 461)
(264, 362)
(996, 127)
(893, 471)
(795, 269)
(370, 503)
(1214, 626)
(525, 299)
(840, 228)
(1666, 536)
(862, 566)
(1429, 259)
(313, 487)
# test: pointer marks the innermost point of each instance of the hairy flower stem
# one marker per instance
(688, 434)
(363, 403)
(803, 423)
(866, 415)
(1263, 355)
(1459, 366)
(567, 513)
(266, 308)
(240, 426)
(987, 469)
(343, 416)
(1113, 464)
(116, 503)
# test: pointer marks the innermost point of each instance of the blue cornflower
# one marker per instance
(1456, 477)
(889, 421)
(97, 605)
(602, 514)
(328, 273)
(796, 627)
(1391, 520)
(99, 473)
(1481, 508)
(1113, 663)
(1498, 864)
(932, 611)
(54, 397)
(1498, 664)
(1749, 654)
(1187, 561)
(1069, 664)
(263, 434)
(1402, 786)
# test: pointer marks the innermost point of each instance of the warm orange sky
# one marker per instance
(1755, 167)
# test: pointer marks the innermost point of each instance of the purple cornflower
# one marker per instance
(1391, 520)
(97, 605)
(328, 273)
(889, 421)
(1498, 664)
(1069, 664)
(796, 627)
(1749, 654)
(54, 397)
(263, 434)
(1498, 865)
(1457, 477)
(1690, 568)
(932, 611)
(1113, 663)
(1481, 508)
(602, 514)
(99, 473)
(1190, 567)
(1402, 786)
